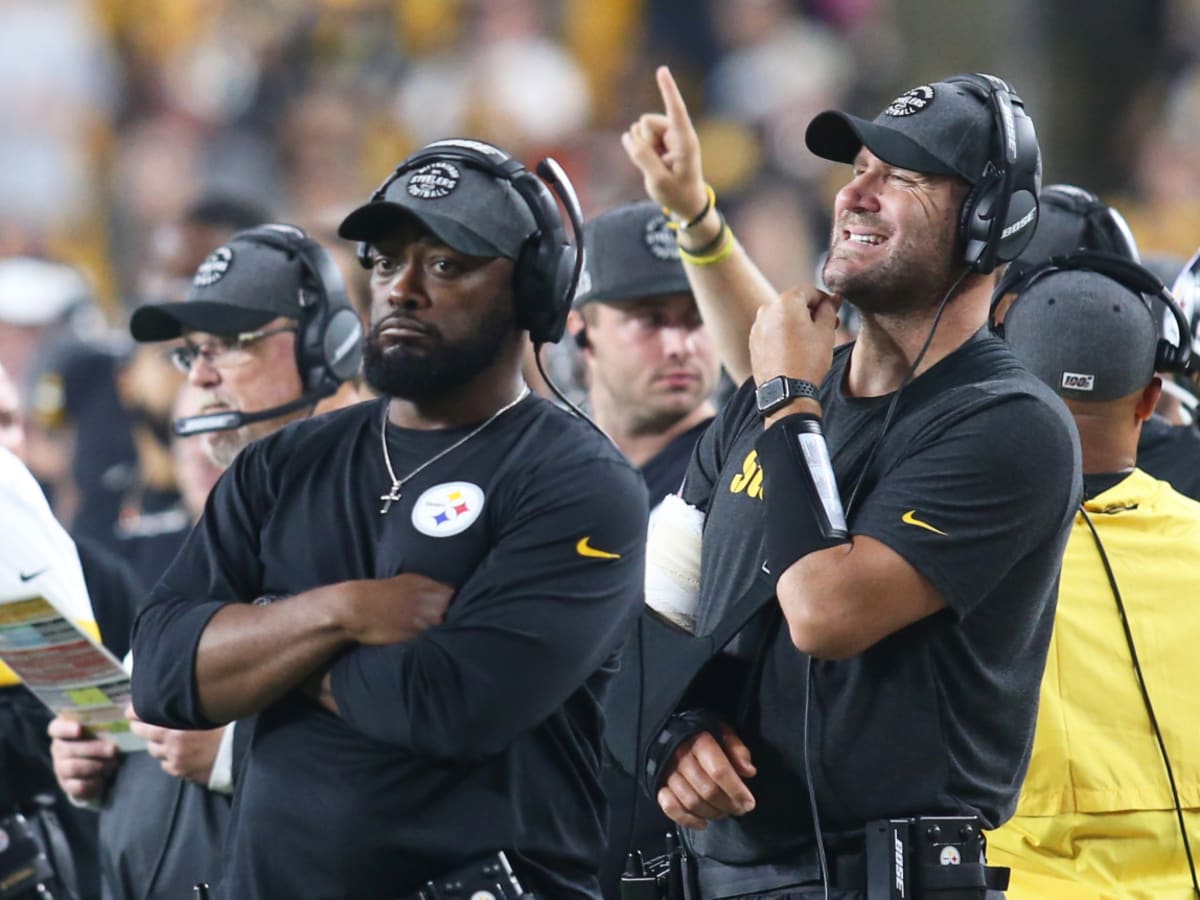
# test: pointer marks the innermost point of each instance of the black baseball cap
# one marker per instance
(629, 253)
(240, 286)
(468, 208)
(1085, 335)
(944, 128)
(1072, 219)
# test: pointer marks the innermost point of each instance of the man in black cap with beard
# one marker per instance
(419, 596)
(888, 494)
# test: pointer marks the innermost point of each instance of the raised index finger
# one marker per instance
(673, 105)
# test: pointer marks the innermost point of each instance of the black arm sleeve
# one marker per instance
(217, 564)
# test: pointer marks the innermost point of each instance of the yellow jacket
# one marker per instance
(1096, 806)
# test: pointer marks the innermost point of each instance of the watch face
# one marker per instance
(770, 394)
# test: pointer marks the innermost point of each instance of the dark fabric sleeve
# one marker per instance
(710, 452)
(115, 592)
(534, 620)
(217, 564)
(966, 505)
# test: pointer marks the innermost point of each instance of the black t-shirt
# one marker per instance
(974, 485)
(664, 473)
(1171, 453)
(479, 735)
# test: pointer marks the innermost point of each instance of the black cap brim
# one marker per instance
(376, 221)
(164, 321)
(839, 136)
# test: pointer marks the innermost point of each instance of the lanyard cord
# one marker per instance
(1137, 668)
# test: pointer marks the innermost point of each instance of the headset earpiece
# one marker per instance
(999, 214)
(330, 341)
(581, 338)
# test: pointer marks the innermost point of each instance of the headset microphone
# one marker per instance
(225, 421)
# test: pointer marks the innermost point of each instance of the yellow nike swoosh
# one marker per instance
(910, 518)
(583, 548)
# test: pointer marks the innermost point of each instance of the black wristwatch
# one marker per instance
(777, 392)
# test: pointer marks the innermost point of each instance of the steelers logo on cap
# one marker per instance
(214, 267)
(433, 181)
(659, 240)
(910, 102)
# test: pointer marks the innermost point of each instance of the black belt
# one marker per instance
(724, 881)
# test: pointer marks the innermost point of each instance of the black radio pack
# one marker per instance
(938, 857)
(485, 879)
(657, 878)
(23, 866)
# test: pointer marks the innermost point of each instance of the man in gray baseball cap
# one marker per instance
(1129, 577)
(651, 364)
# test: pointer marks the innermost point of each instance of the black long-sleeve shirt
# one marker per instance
(481, 734)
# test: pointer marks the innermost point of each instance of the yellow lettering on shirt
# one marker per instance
(749, 480)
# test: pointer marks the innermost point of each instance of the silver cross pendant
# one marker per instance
(389, 498)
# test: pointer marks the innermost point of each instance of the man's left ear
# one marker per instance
(577, 328)
(1149, 399)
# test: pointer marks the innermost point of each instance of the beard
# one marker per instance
(415, 374)
(914, 274)
(222, 447)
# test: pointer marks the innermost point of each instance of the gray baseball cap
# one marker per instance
(937, 129)
(240, 286)
(629, 253)
(473, 211)
(1084, 334)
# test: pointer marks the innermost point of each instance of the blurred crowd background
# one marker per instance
(116, 116)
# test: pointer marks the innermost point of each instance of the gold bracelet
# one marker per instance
(726, 247)
(676, 222)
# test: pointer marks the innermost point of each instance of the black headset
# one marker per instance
(1109, 232)
(330, 340)
(1000, 213)
(1133, 276)
(547, 270)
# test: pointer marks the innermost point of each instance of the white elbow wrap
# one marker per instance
(673, 561)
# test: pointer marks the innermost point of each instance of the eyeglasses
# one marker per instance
(222, 352)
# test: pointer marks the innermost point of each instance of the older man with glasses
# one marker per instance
(266, 336)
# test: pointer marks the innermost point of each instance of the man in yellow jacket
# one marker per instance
(1110, 807)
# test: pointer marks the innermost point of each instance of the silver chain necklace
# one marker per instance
(393, 493)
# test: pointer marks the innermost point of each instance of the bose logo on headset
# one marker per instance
(1000, 212)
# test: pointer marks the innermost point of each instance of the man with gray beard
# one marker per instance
(264, 316)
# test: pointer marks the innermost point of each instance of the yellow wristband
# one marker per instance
(677, 222)
(723, 250)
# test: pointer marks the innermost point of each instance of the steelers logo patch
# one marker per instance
(434, 181)
(910, 102)
(659, 240)
(214, 267)
(447, 509)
